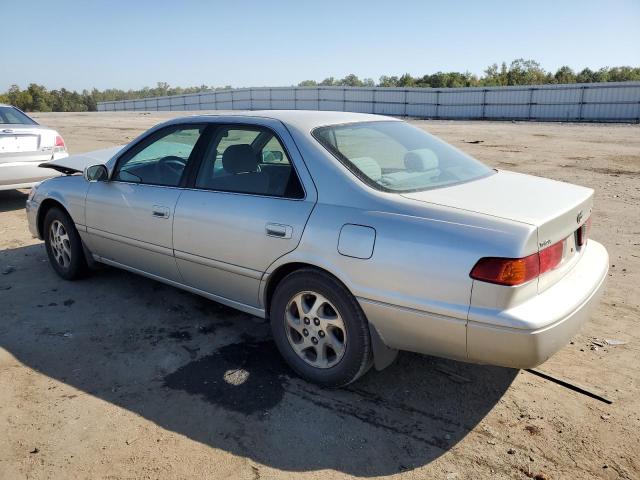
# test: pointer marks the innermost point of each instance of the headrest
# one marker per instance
(369, 167)
(420, 160)
(240, 159)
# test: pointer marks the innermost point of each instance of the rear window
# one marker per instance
(13, 116)
(398, 157)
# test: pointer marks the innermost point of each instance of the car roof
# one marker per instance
(302, 119)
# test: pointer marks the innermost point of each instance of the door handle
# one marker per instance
(159, 211)
(278, 230)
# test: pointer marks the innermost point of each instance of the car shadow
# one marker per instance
(11, 200)
(213, 374)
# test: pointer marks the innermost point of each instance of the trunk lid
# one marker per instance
(556, 208)
(26, 143)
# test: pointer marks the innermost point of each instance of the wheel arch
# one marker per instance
(285, 269)
(383, 355)
(46, 205)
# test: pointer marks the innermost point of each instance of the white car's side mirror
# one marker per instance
(96, 173)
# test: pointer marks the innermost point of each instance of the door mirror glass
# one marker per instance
(96, 173)
(272, 156)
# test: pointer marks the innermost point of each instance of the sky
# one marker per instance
(131, 44)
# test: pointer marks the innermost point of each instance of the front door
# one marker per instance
(246, 208)
(129, 218)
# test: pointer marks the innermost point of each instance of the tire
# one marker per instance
(63, 245)
(331, 348)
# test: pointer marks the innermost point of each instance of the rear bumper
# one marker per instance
(520, 337)
(557, 313)
(18, 186)
(25, 173)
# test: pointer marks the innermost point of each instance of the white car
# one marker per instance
(23, 146)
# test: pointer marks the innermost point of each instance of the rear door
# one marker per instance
(248, 205)
(129, 218)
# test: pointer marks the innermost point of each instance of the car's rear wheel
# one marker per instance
(63, 245)
(320, 329)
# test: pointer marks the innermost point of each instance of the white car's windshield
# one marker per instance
(395, 156)
(13, 116)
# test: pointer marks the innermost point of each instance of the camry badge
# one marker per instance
(579, 217)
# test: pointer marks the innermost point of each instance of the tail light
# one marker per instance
(59, 145)
(506, 271)
(516, 271)
(583, 233)
(551, 257)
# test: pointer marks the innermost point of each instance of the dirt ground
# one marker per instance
(118, 376)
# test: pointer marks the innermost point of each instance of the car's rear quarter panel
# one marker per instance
(415, 288)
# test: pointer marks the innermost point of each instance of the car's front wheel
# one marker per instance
(63, 245)
(320, 328)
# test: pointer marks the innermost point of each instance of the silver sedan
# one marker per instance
(23, 146)
(356, 235)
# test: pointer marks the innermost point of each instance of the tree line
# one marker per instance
(519, 72)
(36, 98)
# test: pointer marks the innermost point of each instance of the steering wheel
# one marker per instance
(172, 165)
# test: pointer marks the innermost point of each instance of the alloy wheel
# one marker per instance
(60, 244)
(315, 329)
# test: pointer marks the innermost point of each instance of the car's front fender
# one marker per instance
(69, 191)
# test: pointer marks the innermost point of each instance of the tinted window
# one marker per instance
(161, 162)
(396, 156)
(248, 160)
(13, 116)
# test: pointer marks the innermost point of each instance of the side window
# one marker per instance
(248, 160)
(163, 161)
(273, 152)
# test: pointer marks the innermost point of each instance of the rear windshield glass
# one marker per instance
(398, 157)
(13, 116)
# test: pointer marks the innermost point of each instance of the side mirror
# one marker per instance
(96, 173)
(271, 156)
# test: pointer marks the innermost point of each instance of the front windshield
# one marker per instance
(398, 157)
(13, 116)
